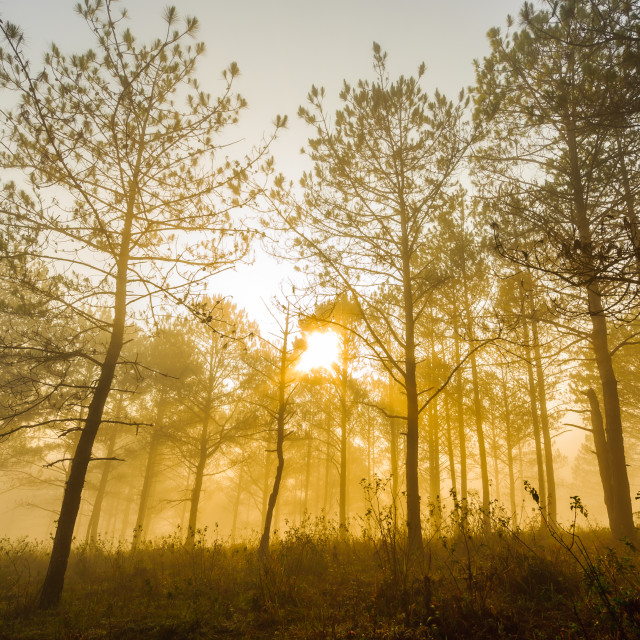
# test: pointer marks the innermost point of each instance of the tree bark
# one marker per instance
(236, 505)
(343, 440)
(462, 444)
(496, 459)
(196, 491)
(452, 463)
(622, 523)
(509, 444)
(414, 524)
(602, 451)
(263, 549)
(544, 419)
(542, 486)
(393, 451)
(307, 475)
(94, 520)
(51, 591)
(482, 451)
(434, 462)
(327, 465)
(140, 530)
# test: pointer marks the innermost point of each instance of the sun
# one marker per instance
(322, 351)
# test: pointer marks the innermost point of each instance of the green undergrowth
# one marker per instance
(324, 582)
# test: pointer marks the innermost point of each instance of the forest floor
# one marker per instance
(320, 582)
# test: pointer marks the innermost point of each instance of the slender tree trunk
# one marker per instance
(622, 524)
(496, 459)
(521, 469)
(343, 440)
(203, 452)
(147, 485)
(414, 524)
(434, 461)
(452, 463)
(51, 591)
(307, 475)
(94, 520)
(327, 466)
(187, 490)
(373, 451)
(54, 581)
(275, 520)
(434, 446)
(149, 478)
(542, 485)
(196, 491)
(461, 430)
(236, 505)
(509, 443)
(602, 451)
(369, 466)
(263, 549)
(482, 451)
(393, 450)
(544, 421)
(265, 485)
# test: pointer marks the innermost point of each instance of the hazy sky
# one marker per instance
(283, 47)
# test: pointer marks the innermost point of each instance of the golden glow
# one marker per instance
(322, 351)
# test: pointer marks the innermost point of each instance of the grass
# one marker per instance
(321, 582)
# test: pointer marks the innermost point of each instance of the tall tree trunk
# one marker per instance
(462, 444)
(482, 451)
(343, 439)
(521, 469)
(236, 505)
(452, 463)
(263, 549)
(369, 448)
(51, 591)
(187, 489)
(196, 490)
(149, 478)
(496, 459)
(94, 520)
(622, 522)
(327, 465)
(542, 485)
(434, 462)
(203, 450)
(393, 450)
(544, 419)
(307, 475)
(265, 485)
(434, 445)
(602, 451)
(414, 524)
(509, 443)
